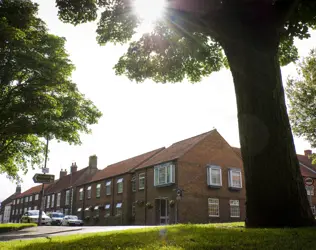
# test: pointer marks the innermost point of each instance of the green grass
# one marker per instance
(215, 236)
(4, 228)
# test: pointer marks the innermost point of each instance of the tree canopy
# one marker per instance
(184, 38)
(37, 97)
(301, 92)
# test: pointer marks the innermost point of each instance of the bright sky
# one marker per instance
(137, 118)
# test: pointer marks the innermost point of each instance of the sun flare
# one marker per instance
(149, 11)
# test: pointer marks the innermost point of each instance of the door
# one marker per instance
(164, 212)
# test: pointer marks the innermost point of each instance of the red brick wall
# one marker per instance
(192, 177)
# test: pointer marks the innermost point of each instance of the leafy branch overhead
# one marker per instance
(184, 42)
(37, 96)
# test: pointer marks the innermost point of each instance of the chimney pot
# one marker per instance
(308, 152)
(73, 168)
(18, 189)
(93, 161)
(62, 173)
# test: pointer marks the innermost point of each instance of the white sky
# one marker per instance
(137, 118)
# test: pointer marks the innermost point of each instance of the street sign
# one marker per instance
(45, 170)
(43, 178)
(308, 181)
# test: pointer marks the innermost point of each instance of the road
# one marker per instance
(51, 231)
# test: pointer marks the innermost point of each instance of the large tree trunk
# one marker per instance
(276, 196)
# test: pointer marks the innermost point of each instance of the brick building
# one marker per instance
(28, 200)
(6, 206)
(106, 198)
(203, 170)
(60, 196)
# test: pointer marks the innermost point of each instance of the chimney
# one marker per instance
(308, 152)
(18, 189)
(93, 161)
(62, 173)
(73, 168)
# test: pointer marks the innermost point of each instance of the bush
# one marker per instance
(4, 228)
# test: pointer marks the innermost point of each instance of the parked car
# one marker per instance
(71, 220)
(56, 218)
(31, 216)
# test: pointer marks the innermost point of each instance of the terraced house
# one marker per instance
(197, 180)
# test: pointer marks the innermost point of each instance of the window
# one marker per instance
(141, 181)
(98, 190)
(31, 198)
(234, 208)
(58, 199)
(26, 199)
(89, 192)
(36, 197)
(214, 176)
(25, 209)
(164, 174)
(66, 211)
(13, 202)
(120, 185)
(81, 194)
(107, 210)
(18, 201)
(47, 201)
(21, 200)
(108, 188)
(35, 207)
(13, 212)
(118, 210)
(310, 190)
(30, 208)
(234, 176)
(133, 183)
(213, 207)
(53, 200)
(67, 197)
(313, 210)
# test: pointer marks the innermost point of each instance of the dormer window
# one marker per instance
(235, 178)
(214, 176)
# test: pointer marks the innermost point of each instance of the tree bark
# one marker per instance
(276, 195)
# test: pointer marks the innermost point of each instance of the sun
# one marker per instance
(149, 11)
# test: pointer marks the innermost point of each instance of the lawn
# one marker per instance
(215, 236)
(4, 228)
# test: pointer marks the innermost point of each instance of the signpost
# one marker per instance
(43, 178)
(308, 181)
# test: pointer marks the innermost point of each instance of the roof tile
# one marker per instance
(124, 166)
(175, 151)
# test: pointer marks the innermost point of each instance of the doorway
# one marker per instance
(162, 211)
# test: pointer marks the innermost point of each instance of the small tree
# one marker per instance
(301, 93)
(37, 96)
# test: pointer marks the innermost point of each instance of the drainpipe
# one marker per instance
(145, 196)
(71, 200)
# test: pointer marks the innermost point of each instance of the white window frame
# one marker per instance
(26, 199)
(108, 187)
(119, 184)
(213, 202)
(230, 177)
(58, 199)
(107, 209)
(98, 190)
(30, 198)
(119, 207)
(133, 181)
(81, 194)
(141, 179)
(18, 201)
(209, 176)
(36, 197)
(47, 201)
(67, 197)
(52, 200)
(89, 192)
(35, 207)
(234, 204)
(169, 170)
(13, 202)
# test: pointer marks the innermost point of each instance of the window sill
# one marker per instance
(235, 188)
(214, 186)
(234, 216)
(213, 216)
(164, 185)
(141, 189)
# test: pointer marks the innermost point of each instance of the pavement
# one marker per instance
(51, 231)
